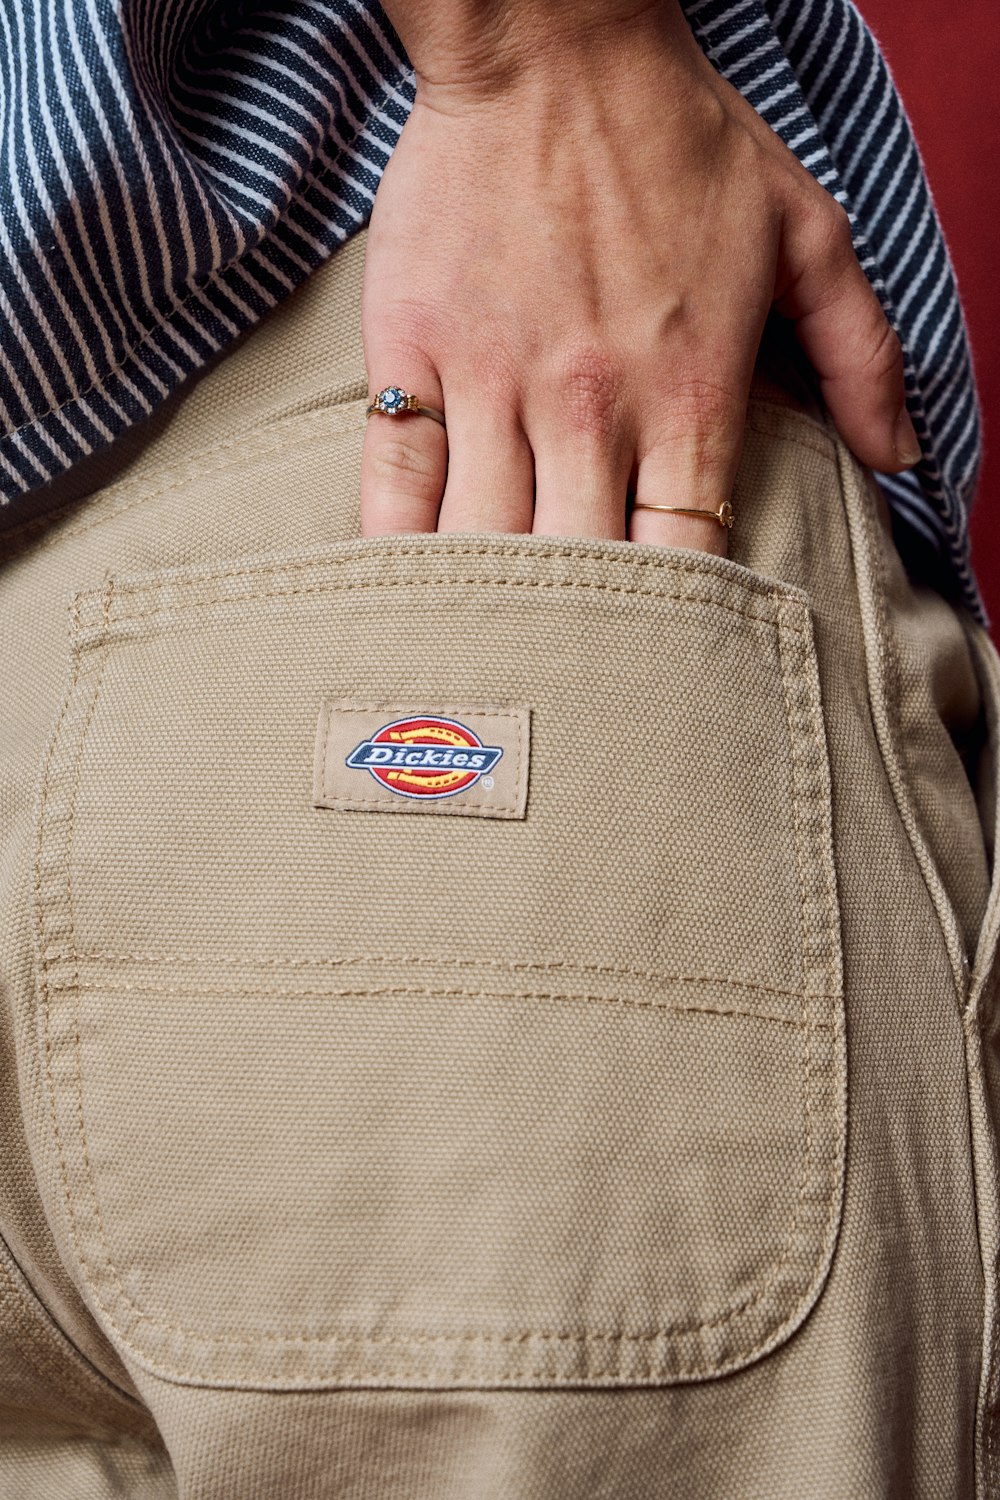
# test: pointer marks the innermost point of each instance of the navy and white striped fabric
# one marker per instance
(172, 168)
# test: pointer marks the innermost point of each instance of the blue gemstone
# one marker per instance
(393, 398)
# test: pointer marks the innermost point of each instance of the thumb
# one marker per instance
(846, 335)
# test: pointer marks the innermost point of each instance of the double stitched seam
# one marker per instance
(992, 1415)
(981, 1009)
(827, 945)
(808, 1165)
(883, 688)
(364, 802)
(327, 586)
(697, 564)
(728, 1316)
(430, 991)
(44, 910)
(480, 580)
(886, 690)
(513, 966)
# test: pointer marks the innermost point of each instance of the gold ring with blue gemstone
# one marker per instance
(393, 401)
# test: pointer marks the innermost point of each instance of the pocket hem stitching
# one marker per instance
(59, 872)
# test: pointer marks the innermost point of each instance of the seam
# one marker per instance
(985, 1183)
(984, 991)
(797, 816)
(328, 729)
(979, 1039)
(830, 943)
(615, 971)
(356, 804)
(884, 693)
(987, 667)
(727, 1316)
(990, 1415)
(42, 912)
(433, 992)
(481, 581)
(694, 563)
(335, 803)
(823, 917)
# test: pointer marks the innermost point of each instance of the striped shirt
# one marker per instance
(172, 169)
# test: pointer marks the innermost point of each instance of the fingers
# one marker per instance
(583, 443)
(846, 336)
(691, 462)
(581, 489)
(491, 473)
(405, 457)
(568, 476)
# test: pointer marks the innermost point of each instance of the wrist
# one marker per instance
(465, 53)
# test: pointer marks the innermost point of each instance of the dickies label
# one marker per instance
(426, 758)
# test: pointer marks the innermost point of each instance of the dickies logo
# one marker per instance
(425, 756)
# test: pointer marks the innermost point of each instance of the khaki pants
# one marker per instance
(613, 1121)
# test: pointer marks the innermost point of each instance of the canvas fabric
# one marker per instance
(632, 1136)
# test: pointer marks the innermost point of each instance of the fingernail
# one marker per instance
(905, 440)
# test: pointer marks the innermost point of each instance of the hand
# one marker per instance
(573, 252)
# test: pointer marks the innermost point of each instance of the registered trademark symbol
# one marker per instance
(487, 782)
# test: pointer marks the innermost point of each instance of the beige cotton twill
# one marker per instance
(631, 1135)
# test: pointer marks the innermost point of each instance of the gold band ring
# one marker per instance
(393, 401)
(724, 514)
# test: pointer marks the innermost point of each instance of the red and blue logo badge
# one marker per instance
(425, 756)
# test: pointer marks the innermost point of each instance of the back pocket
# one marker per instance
(550, 1093)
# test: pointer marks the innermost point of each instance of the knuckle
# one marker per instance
(884, 361)
(495, 370)
(840, 223)
(590, 396)
(832, 229)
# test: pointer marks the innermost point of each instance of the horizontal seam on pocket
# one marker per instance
(262, 442)
(689, 561)
(429, 991)
(480, 581)
(615, 971)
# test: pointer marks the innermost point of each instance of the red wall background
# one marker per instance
(945, 58)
